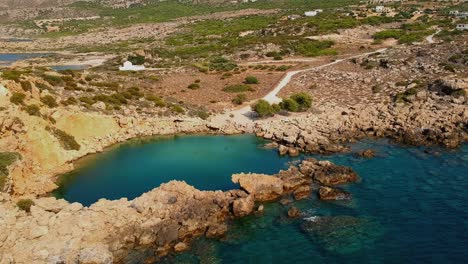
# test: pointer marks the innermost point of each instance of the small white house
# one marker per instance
(128, 66)
(310, 13)
(313, 12)
(462, 27)
(453, 12)
(379, 9)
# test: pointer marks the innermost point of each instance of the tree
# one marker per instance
(239, 99)
(304, 100)
(289, 105)
(251, 80)
(263, 108)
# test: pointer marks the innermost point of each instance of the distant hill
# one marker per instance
(19, 4)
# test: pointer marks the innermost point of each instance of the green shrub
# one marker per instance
(158, 101)
(26, 85)
(237, 88)
(67, 141)
(177, 109)
(304, 100)
(87, 100)
(251, 80)
(52, 79)
(289, 105)
(239, 99)
(203, 114)
(25, 204)
(136, 59)
(33, 110)
(49, 100)
(70, 101)
(13, 75)
(6, 159)
(17, 98)
(194, 86)
(42, 86)
(263, 108)
(221, 64)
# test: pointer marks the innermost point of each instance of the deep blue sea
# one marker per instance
(410, 207)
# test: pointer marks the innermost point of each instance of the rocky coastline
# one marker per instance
(153, 225)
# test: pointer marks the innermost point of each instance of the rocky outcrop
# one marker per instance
(326, 131)
(262, 187)
(368, 153)
(154, 224)
(159, 220)
(327, 173)
(328, 193)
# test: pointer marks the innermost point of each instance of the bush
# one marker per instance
(67, 141)
(263, 108)
(49, 100)
(251, 80)
(52, 79)
(33, 110)
(136, 60)
(289, 105)
(239, 99)
(17, 98)
(194, 86)
(158, 101)
(25, 204)
(177, 109)
(237, 88)
(6, 159)
(70, 101)
(203, 114)
(304, 100)
(26, 86)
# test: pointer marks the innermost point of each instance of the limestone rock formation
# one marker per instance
(262, 187)
(328, 193)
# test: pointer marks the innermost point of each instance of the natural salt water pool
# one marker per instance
(410, 206)
(205, 162)
(9, 58)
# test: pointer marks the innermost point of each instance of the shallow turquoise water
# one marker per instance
(410, 207)
(206, 162)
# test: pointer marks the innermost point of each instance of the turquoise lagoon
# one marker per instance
(410, 207)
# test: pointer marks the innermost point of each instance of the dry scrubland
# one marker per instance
(206, 63)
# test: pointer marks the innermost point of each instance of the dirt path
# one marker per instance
(430, 38)
(244, 116)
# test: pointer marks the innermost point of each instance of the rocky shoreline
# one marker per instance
(158, 222)
(327, 130)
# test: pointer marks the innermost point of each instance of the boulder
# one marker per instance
(328, 193)
(330, 174)
(263, 187)
(243, 206)
(293, 212)
(368, 153)
(181, 246)
(283, 150)
(302, 192)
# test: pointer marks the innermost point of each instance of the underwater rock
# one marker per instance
(328, 193)
(368, 153)
(341, 234)
(293, 212)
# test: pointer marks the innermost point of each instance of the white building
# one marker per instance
(313, 13)
(128, 66)
(310, 13)
(379, 9)
(462, 27)
(453, 12)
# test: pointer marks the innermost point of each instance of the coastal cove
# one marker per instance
(410, 200)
